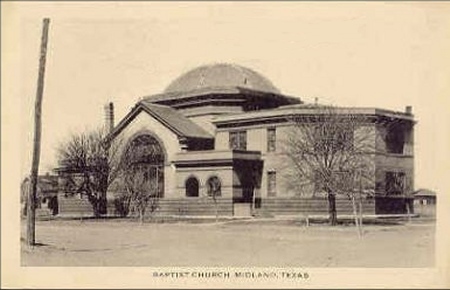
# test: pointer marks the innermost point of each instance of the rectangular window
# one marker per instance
(238, 140)
(271, 139)
(395, 183)
(395, 139)
(271, 183)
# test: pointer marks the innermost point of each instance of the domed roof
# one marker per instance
(221, 75)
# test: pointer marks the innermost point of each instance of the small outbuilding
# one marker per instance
(425, 202)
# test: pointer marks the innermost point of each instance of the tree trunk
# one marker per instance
(360, 213)
(332, 214)
(253, 209)
(141, 215)
(98, 201)
(95, 207)
(355, 216)
(360, 205)
(408, 211)
(102, 204)
(217, 210)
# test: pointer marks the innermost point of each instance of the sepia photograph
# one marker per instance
(225, 145)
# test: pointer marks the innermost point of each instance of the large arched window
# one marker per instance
(214, 186)
(191, 187)
(144, 163)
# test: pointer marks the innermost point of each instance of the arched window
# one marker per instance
(144, 164)
(214, 186)
(191, 187)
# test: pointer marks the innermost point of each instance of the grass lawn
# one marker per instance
(234, 243)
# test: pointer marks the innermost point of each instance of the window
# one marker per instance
(192, 187)
(271, 183)
(271, 139)
(395, 139)
(395, 183)
(145, 158)
(238, 140)
(214, 187)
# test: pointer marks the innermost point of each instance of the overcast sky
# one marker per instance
(386, 55)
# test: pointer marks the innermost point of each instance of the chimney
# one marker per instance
(408, 110)
(109, 116)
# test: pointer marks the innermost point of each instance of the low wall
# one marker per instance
(195, 206)
(299, 205)
(81, 207)
(74, 206)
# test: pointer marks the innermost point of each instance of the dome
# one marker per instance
(221, 75)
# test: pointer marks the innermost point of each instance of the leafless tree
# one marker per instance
(141, 191)
(95, 161)
(328, 149)
(140, 177)
(214, 192)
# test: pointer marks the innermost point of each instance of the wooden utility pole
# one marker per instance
(31, 209)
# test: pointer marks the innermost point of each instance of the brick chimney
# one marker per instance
(408, 110)
(109, 116)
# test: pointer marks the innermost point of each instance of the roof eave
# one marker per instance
(142, 107)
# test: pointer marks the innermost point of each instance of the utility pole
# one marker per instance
(31, 209)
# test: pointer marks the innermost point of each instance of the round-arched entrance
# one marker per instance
(144, 161)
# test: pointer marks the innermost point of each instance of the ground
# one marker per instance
(235, 243)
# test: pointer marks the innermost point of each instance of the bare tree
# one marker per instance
(327, 148)
(140, 176)
(142, 191)
(214, 192)
(95, 161)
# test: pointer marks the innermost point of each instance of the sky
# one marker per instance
(374, 54)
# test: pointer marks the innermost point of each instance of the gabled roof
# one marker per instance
(169, 117)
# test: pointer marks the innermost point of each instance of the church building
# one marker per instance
(218, 130)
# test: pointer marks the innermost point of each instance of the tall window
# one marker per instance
(238, 140)
(395, 183)
(271, 139)
(271, 183)
(145, 158)
(192, 187)
(395, 139)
